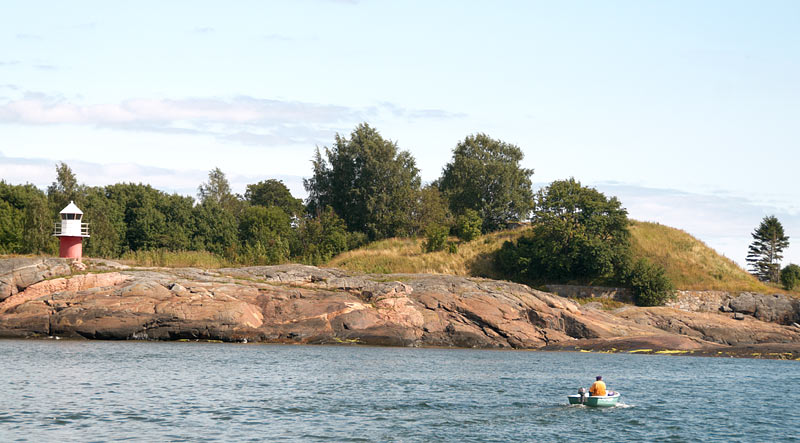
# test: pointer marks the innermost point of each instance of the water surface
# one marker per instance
(146, 391)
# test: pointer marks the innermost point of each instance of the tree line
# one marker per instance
(362, 188)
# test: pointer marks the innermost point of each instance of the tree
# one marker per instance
(577, 234)
(65, 188)
(367, 181)
(265, 235)
(435, 238)
(320, 238)
(766, 252)
(216, 230)
(106, 225)
(218, 190)
(485, 175)
(274, 193)
(468, 225)
(649, 283)
(790, 277)
(431, 208)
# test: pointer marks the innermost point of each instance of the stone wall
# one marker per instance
(575, 291)
(776, 308)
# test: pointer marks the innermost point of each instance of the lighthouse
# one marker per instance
(71, 230)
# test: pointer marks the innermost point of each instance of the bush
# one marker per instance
(790, 277)
(436, 238)
(468, 225)
(649, 284)
(578, 234)
(452, 247)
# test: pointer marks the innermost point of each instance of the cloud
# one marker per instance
(45, 67)
(723, 221)
(8, 62)
(203, 30)
(415, 114)
(28, 37)
(41, 172)
(278, 37)
(245, 119)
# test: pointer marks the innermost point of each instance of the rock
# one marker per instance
(304, 304)
(16, 274)
(725, 308)
(713, 327)
(777, 308)
(593, 305)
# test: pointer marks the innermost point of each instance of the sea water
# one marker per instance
(148, 391)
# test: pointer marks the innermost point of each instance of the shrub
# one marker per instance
(790, 277)
(436, 238)
(578, 234)
(649, 284)
(468, 225)
(452, 247)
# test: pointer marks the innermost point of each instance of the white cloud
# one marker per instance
(41, 172)
(245, 119)
(723, 222)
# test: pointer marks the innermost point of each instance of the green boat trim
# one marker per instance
(595, 401)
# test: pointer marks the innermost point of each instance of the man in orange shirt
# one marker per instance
(598, 388)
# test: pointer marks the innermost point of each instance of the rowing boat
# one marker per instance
(595, 400)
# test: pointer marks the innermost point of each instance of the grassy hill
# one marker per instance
(405, 255)
(689, 263)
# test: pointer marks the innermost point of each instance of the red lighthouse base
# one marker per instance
(71, 247)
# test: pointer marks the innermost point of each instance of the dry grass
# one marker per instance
(607, 303)
(690, 263)
(174, 259)
(406, 255)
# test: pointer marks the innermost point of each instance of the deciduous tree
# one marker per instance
(274, 193)
(367, 181)
(485, 175)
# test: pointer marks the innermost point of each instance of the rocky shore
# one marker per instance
(304, 304)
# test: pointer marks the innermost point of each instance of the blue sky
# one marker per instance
(687, 111)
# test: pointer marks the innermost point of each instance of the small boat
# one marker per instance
(595, 400)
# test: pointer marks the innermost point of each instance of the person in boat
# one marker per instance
(598, 388)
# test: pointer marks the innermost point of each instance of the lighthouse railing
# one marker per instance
(58, 229)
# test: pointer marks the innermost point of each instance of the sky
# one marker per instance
(687, 111)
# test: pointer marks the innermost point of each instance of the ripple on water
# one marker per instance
(201, 392)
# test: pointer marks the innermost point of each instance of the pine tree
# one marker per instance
(765, 253)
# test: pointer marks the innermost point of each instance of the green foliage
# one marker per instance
(320, 238)
(11, 228)
(265, 235)
(367, 181)
(216, 230)
(649, 283)
(790, 277)
(765, 253)
(468, 225)
(578, 234)
(485, 175)
(431, 208)
(65, 189)
(452, 247)
(274, 193)
(218, 190)
(26, 225)
(435, 238)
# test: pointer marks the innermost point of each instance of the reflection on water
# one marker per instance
(102, 391)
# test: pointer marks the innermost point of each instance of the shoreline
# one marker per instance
(297, 304)
(762, 351)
